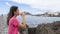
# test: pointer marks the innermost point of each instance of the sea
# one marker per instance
(34, 21)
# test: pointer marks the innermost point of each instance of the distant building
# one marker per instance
(53, 13)
(2, 15)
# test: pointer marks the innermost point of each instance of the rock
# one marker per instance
(50, 28)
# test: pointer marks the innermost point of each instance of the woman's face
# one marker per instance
(17, 12)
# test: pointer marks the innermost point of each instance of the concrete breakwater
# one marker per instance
(3, 25)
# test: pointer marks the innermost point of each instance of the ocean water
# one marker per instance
(33, 21)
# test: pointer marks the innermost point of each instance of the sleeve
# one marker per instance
(15, 22)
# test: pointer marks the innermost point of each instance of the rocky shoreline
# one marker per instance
(50, 28)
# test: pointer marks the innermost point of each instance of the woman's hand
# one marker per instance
(22, 15)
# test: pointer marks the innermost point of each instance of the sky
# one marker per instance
(32, 6)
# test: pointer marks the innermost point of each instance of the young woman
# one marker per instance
(12, 22)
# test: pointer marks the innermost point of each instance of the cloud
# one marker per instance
(7, 4)
(41, 4)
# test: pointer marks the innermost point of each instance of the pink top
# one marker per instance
(12, 27)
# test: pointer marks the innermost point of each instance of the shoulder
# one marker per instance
(12, 19)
